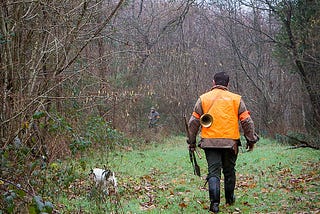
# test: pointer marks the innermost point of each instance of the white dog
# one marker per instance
(104, 178)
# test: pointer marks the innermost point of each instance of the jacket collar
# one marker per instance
(220, 87)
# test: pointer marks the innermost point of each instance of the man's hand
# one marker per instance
(257, 137)
(250, 144)
(191, 146)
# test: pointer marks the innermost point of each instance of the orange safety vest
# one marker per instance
(223, 106)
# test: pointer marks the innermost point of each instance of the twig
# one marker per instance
(302, 144)
(17, 186)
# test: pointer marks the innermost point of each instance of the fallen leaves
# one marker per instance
(282, 186)
(183, 205)
(155, 191)
(148, 205)
(246, 181)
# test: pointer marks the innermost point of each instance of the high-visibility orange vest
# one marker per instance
(223, 106)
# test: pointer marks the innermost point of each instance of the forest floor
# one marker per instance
(159, 179)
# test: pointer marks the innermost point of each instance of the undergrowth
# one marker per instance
(158, 178)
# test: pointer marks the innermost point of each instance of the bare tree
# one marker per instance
(42, 40)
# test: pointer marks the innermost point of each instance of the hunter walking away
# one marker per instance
(218, 112)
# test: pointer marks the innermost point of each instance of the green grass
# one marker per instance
(159, 179)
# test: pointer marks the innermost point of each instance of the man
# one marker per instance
(153, 117)
(220, 138)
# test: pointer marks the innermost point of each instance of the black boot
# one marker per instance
(230, 199)
(229, 185)
(214, 207)
(214, 194)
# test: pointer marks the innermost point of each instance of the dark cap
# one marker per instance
(221, 78)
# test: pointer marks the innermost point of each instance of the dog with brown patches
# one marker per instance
(104, 178)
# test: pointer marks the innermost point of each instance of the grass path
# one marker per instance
(159, 179)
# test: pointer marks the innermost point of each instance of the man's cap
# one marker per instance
(152, 108)
(221, 78)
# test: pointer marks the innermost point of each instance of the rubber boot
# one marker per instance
(229, 185)
(214, 194)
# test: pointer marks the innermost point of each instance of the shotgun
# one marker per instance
(196, 168)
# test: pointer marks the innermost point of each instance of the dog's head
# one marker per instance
(107, 173)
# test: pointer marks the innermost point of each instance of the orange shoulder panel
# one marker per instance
(244, 115)
(196, 115)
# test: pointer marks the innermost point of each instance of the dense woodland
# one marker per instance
(77, 73)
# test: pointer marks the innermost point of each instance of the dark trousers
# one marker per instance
(221, 159)
(224, 159)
